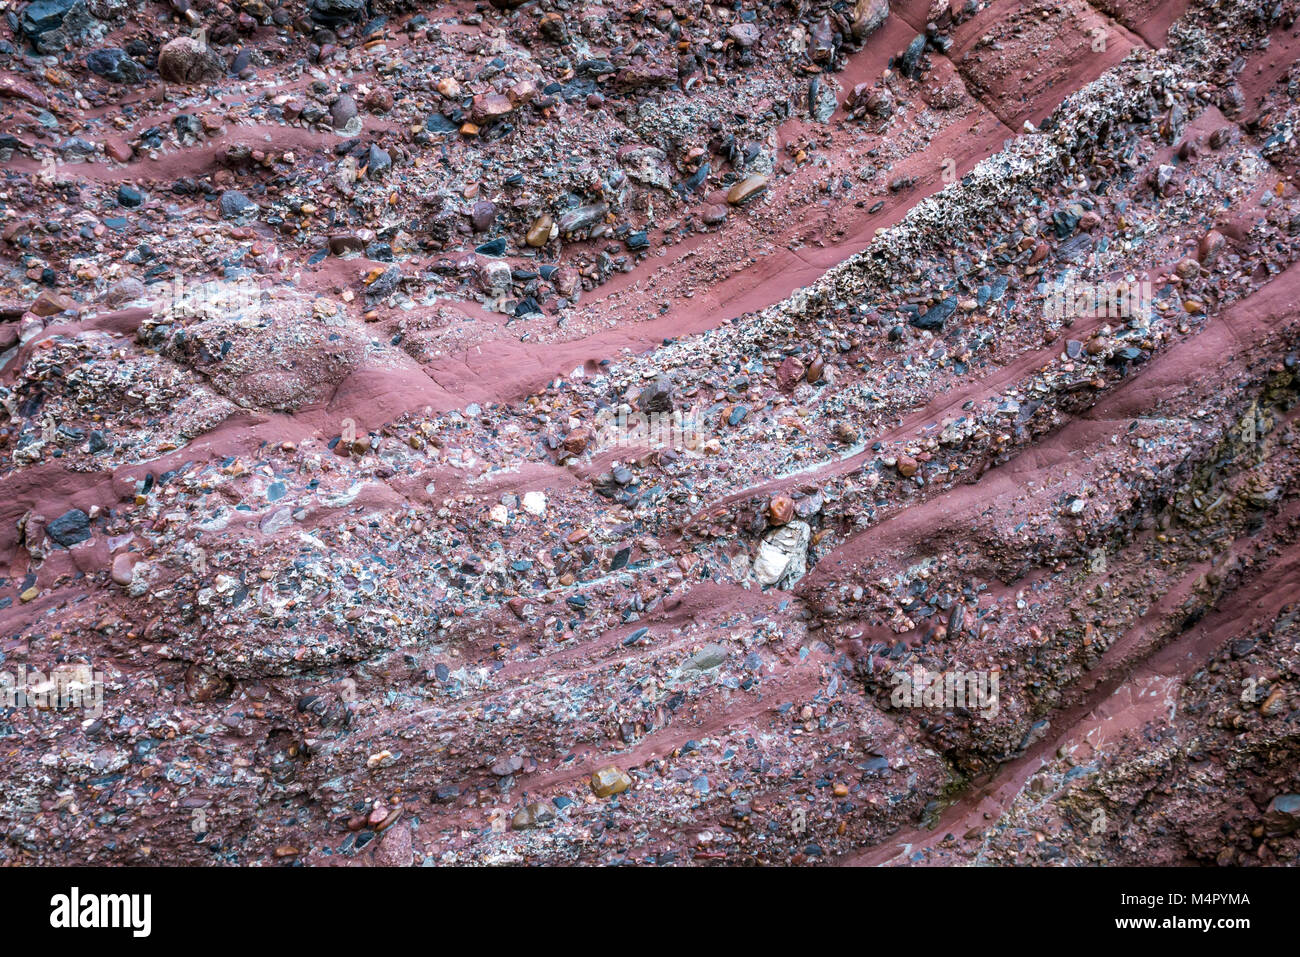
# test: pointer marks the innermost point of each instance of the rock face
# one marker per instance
(585, 434)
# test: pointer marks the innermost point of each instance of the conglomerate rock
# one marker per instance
(557, 433)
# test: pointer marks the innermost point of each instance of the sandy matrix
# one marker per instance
(559, 432)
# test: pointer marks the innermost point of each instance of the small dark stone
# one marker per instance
(385, 284)
(44, 16)
(70, 528)
(334, 12)
(113, 64)
(656, 397)
(235, 205)
(910, 61)
(936, 315)
(437, 123)
(129, 196)
(378, 162)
